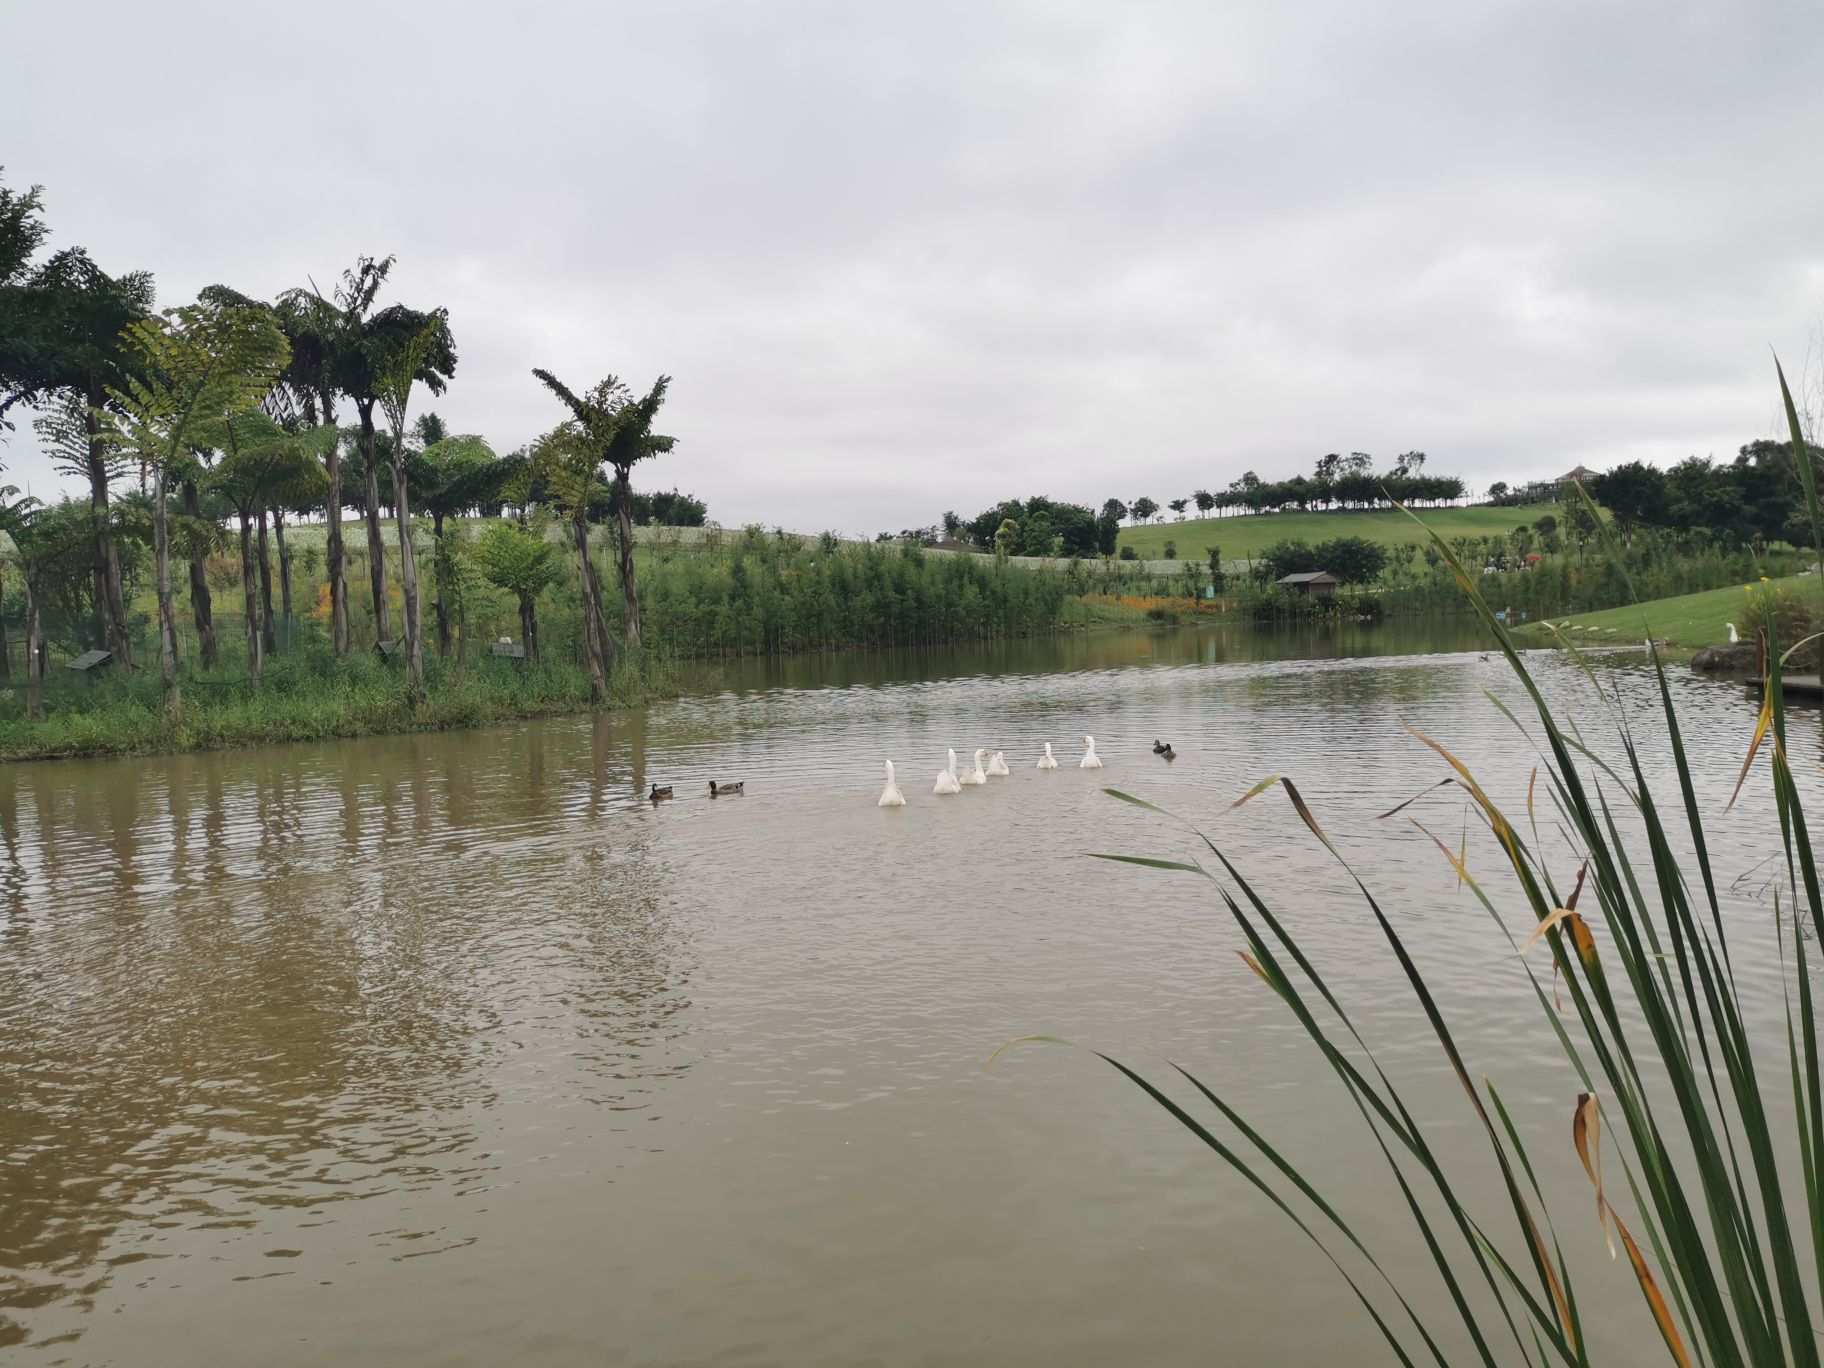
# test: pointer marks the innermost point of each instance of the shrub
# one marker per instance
(1128, 553)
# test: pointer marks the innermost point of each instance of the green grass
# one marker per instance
(1687, 620)
(1241, 537)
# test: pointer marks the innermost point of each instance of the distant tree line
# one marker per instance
(1754, 499)
(1337, 481)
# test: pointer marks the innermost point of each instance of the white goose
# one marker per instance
(1090, 759)
(1048, 760)
(997, 765)
(977, 775)
(890, 796)
(1734, 640)
(946, 778)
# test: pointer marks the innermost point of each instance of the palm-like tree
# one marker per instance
(569, 467)
(67, 350)
(403, 362)
(261, 463)
(452, 475)
(18, 517)
(617, 429)
(203, 365)
(346, 350)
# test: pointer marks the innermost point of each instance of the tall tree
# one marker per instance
(567, 464)
(618, 428)
(1633, 492)
(341, 345)
(452, 475)
(67, 320)
(522, 562)
(22, 232)
(398, 370)
(315, 328)
(203, 365)
(1142, 508)
(19, 521)
(199, 537)
(261, 463)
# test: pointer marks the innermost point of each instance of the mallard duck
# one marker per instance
(1048, 760)
(1159, 747)
(1167, 753)
(890, 796)
(659, 794)
(726, 790)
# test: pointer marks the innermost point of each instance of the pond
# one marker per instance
(453, 1050)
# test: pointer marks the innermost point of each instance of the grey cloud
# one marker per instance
(915, 257)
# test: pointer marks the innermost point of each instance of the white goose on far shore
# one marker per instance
(1734, 640)
(946, 778)
(1048, 760)
(890, 796)
(977, 775)
(1090, 759)
(997, 765)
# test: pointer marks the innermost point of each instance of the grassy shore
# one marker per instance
(1247, 536)
(1688, 621)
(310, 698)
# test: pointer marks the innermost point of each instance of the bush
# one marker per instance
(1128, 553)
(1171, 550)
(1791, 616)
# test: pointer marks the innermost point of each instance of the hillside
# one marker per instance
(1688, 620)
(1253, 533)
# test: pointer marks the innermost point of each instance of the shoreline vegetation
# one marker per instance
(710, 594)
(209, 606)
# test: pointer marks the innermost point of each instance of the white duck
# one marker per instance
(1048, 760)
(1734, 640)
(890, 796)
(1090, 759)
(977, 775)
(997, 765)
(946, 778)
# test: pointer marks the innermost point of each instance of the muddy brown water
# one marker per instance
(452, 1050)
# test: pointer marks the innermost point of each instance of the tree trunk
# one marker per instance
(595, 635)
(528, 626)
(202, 608)
(6, 663)
(34, 653)
(110, 604)
(278, 535)
(376, 547)
(332, 556)
(408, 579)
(268, 639)
(167, 617)
(250, 598)
(630, 591)
(442, 567)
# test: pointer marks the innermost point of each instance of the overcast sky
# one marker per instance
(903, 258)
